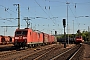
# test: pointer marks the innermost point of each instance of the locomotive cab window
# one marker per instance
(21, 32)
(18, 32)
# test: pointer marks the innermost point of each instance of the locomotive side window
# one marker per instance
(39, 35)
(30, 33)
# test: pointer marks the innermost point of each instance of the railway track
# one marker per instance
(50, 52)
(16, 55)
(39, 53)
(45, 54)
(5, 54)
(78, 54)
(55, 53)
(71, 54)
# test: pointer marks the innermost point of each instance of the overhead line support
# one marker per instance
(18, 15)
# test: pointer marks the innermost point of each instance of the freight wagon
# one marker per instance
(6, 40)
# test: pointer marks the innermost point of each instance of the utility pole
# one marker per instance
(88, 29)
(18, 15)
(73, 26)
(31, 25)
(27, 21)
(67, 21)
(51, 32)
(73, 29)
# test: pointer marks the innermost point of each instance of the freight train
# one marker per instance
(76, 40)
(6, 40)
(28, 38)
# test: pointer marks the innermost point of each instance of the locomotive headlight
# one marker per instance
(16, 37)
(24, 37)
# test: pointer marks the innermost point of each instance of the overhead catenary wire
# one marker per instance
(7, 10)
(75, 15)
(51, 13)
(42, 9)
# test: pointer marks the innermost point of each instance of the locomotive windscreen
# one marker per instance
(21, 33)
(78, 37)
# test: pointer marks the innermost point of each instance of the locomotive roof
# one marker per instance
(31, 29)
(24, 29)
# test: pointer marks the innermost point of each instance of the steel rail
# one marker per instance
(42, 55)
(62, 53)
(74, 54)
(34, 53)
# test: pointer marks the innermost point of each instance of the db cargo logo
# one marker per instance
(20, 37)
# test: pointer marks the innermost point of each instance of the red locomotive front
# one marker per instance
(20, 37)
(23, 37)
(79, 39)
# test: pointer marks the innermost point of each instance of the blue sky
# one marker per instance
(52, 12)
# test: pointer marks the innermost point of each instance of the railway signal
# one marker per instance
(64, 25)
(55, 32)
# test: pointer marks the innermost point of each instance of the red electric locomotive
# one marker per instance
(23, 37)
(79, 39)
